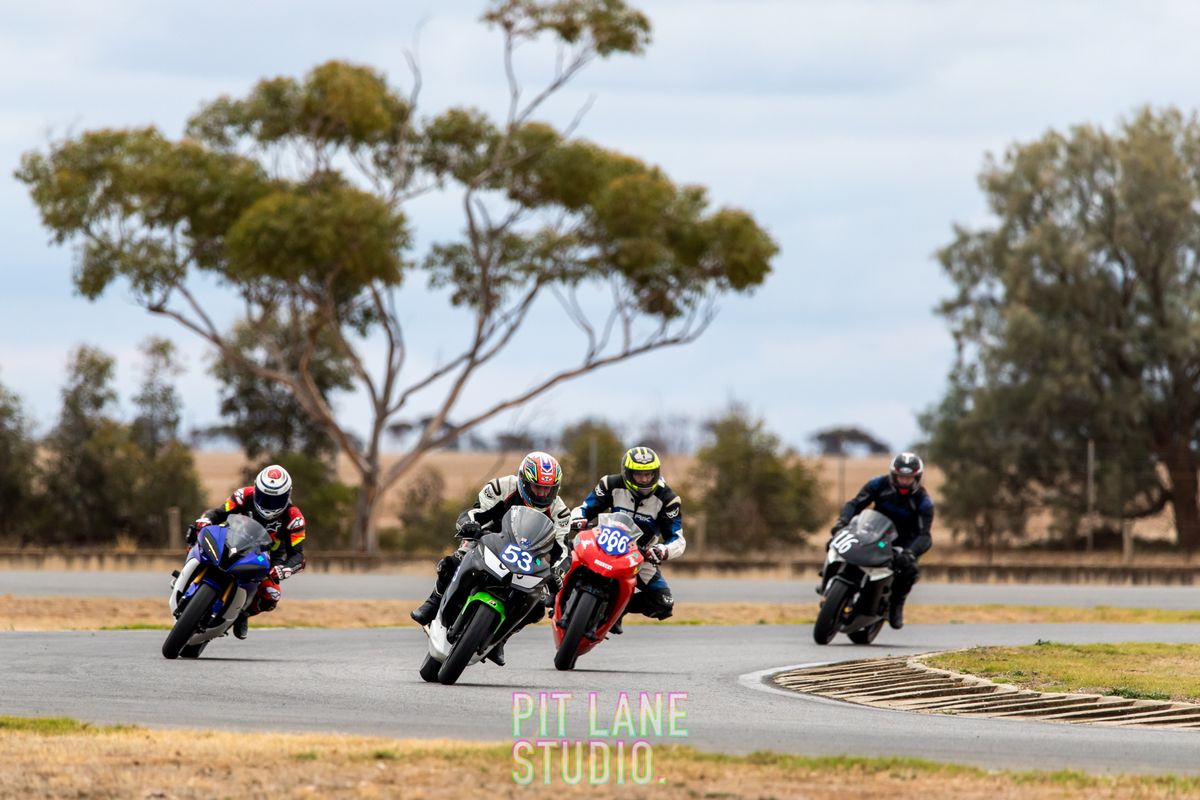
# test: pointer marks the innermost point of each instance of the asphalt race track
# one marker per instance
(365, 681)
(316, 585)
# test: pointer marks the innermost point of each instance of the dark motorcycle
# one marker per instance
(497, 586)
(858, 575)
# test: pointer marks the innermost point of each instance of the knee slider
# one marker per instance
(663, 605)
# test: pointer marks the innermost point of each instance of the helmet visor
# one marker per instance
(270, 505)
(540, 491)
(643, 477)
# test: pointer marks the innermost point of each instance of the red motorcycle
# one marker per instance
(604, 565)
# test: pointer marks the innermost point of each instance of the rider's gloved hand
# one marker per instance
(656, 554)
(470, 530)
(903, 560)
(194, 532)
(837, 526)
(578, 524)
(280, 573)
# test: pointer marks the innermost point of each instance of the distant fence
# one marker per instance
(948, 567)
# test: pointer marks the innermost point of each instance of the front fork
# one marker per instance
(196, 579)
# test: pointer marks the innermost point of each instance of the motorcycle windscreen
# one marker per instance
(872, 527)
(621, 520)
(871, 535)
(246, 535)
(529, 529)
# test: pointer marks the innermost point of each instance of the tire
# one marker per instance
(577, 626)
(197, 608)
(192, 650)
(826, 626)
(866, 635)
(472, 640)
(429, 669)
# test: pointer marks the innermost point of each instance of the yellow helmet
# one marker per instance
(641, 470)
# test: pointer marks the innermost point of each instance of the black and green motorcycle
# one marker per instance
(497, 586)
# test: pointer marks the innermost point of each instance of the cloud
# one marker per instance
(852, 130)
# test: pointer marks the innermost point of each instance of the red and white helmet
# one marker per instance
(272, 491)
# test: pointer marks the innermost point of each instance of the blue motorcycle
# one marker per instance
(222, 574)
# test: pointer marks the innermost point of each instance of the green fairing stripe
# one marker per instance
(485, 597)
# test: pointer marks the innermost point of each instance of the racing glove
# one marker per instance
(279, 572)
(578, 524)
(470, 530)
(903, 560)
(194, 531)
(656, 554)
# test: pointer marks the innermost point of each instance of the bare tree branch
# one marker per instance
(693, 328)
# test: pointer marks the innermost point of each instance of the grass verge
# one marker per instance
(24, 613)
(80, 760)
(1148, 671)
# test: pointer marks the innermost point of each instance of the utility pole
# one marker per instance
(174, 525)
(842, 476)
(1091, 491)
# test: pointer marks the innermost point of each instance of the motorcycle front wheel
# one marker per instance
(473, 638)
(826, 626)
(577, 626)
(197, 607)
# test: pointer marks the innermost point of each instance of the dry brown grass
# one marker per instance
(80, 761)
(465, 472)
(21, 613)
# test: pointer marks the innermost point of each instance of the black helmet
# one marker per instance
(906, 473)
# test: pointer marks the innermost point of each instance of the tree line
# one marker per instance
(99, 477)
(1076, 320)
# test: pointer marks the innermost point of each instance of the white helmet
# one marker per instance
(272, 491)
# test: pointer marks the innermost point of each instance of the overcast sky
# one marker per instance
(853, 131)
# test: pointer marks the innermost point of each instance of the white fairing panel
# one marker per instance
(439, 648)
(185, 577)
(872, 573)
(877, 573)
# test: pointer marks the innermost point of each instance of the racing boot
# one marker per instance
(425, 613)
(241, 626)
(896, 615)
(616, 629)
(496, 656)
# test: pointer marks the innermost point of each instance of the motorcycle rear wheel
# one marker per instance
(866, 635)
(429, 669)
(192, 650)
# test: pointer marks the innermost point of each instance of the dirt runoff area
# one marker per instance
(22, 613)
(61, 758)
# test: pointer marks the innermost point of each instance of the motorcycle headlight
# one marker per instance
(493, 563)
(210, 547)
